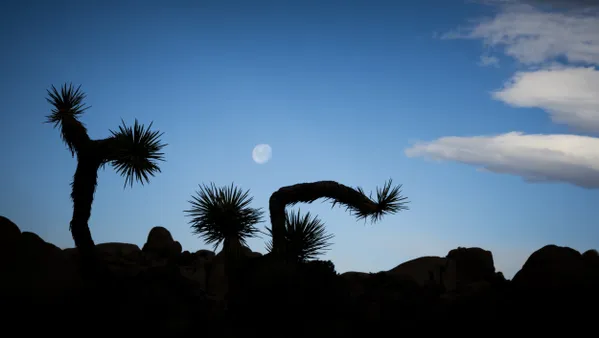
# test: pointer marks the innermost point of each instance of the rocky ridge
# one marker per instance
(162, 289)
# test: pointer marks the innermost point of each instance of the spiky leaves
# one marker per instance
(305, 236)
(223, 213)
(68, 107)
(134, 152)
(389, 200)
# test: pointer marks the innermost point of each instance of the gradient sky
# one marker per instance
(352, 91)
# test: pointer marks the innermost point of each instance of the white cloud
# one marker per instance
(554, 4)
(538, 39)
(533, 37)
(537, 158)
(569, 95)
(486, 60)
(559, 50)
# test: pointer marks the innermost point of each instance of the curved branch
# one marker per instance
(356, 202)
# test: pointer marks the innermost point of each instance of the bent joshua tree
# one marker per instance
(389, 200)
(134, 153)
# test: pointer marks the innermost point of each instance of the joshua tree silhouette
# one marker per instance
(132, 151)
(305, 237)
(389, 201)
(223, 215)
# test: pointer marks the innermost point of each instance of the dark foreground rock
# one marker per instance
(161, 290)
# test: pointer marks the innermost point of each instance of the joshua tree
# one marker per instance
(223, 215)
(134, 153)
(388, 201)
(305, 237)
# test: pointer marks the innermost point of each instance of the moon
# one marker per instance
(262, 153)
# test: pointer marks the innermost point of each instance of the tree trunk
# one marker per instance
(307, 193)
(83, 189)
(232, 252)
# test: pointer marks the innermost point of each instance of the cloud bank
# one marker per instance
(537, 158)
(559, 52)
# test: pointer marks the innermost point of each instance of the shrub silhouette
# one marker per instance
(305, 237)
(132, 151)
(223, 215)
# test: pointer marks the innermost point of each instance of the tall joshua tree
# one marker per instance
(389, 200)
(133, 151)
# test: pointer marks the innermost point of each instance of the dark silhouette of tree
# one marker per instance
(305, 237)
(223, 215)
(388, 201)
(133, 151)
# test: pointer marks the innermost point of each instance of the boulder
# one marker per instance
(472, 265)
(196, 269)
(160, 243)
(205, 253)
(429, 270)
(216, 280)
(41, 268)
(553, 268)
(118, 249)
(9, 231)
(10, 235)
(591, 258)
(355, 283)
(123, 258)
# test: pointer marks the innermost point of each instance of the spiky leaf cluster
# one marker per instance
(219, 213)
(305, 236)
(135, 152)
(389, 200)
(68, 106)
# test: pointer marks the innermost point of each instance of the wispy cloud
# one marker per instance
(537, 158)
(487, 61)
(579, 5)
(560, 51)
(533, 37)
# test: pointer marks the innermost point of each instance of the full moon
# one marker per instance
(262, 153)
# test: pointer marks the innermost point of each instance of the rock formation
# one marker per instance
(162, 289)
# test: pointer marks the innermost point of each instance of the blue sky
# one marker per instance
(352, 91)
